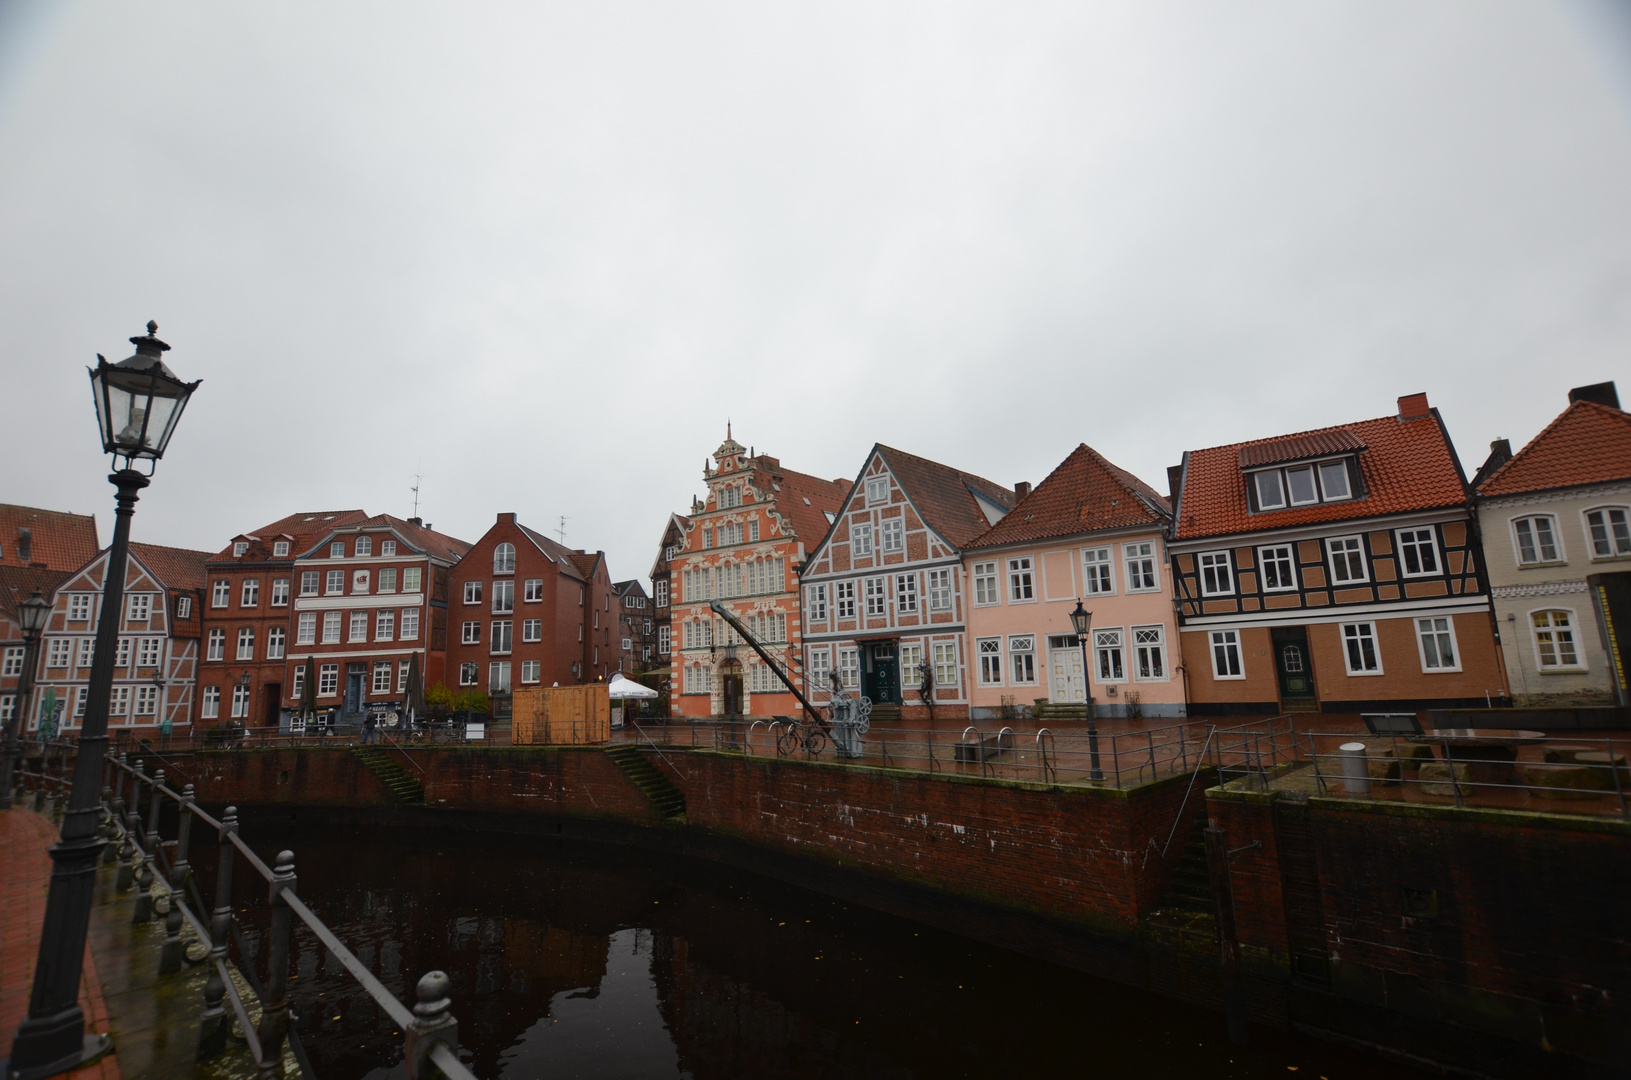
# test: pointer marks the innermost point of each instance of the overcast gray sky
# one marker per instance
(541, 252)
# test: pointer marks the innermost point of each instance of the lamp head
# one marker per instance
(1081, 619)
(138, 400)
(33, 613)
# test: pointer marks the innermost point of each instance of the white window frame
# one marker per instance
(385, 624)
(820, 667)
(221, 594)
(1257, 479)
(910, 668)
(472, 592)
(334, 583)
(336, 550)
(240, 701)
(246, 643)
(1149, 641)
(501, 641)
(280, 592)
(1409, 541)
(249, 594)
(1425, 628)
(401, 665)
(861, 541)
(877, 490)
(877, 597)
(411, 576)
(358, 630)
(817, 603)
(60, 652)
(147, 701)
(849, 667)
(1022, 660)
(1144, 552)
(364, 547)
(147, 652)
(312, 578)
(140, 608)
(1573, 625)
(333, 627)
(468, 673)
(209, 704)
(1271, 554)
(280, 549)
(298, 682)
(306, 628)
(893, 535)
(240, 548)
(1021, 579)
(503, 597)
(664, 640)
(906, 594)
(531, 672)
(504, 558)
(79, 607)
(217, 645)
(184, 607)
(275, 638)
(498, 677)
(987, 585)
(387, 580)
(12, 666)
(1609, 532)
(381, 681)
(843, 600)
(1099, 571)
(945, 664)
(989, 658)
(1559, 555)
(532, 630)
(1229, 642)
(1313, 481)
(1222, 561)
(1355, 636)
(408, 625)
(940, 589)
(470, 632)
(1332, 551)
(328, 680)
(387, 548)
(1109, 653)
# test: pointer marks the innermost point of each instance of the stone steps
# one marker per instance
(403, 787)
(659, 791)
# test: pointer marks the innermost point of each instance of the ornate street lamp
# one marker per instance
(32, 615)
(138, 402)
(1082, 620)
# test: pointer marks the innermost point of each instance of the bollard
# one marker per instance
(1355, 769)
(133, 805)
(143, 912)
(170, 958)
(181, 867)
(275, 1006)
(433, 1023)
(155, 804)
(213, 1025)
(109, 854)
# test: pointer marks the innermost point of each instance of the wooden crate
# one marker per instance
(561, 715)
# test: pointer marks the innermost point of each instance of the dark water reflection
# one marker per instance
(575, 961)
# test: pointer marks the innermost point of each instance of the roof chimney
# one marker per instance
(1175, 476)
(506, 519)
(1412, 406)
(1602, 393)
(1022, 489)
(416, 523)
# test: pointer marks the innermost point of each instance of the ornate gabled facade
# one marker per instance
(883, 593)
(1090, 532)
(1335, 570)
(1556, 523)
(662, 594)
(157, 664)
(742, 544)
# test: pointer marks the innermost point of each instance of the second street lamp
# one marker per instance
(1082, 621)
(138, 402)
(32, 615)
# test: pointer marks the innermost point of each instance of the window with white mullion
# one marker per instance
(989, 652)
(1359, 649)
(1139, 558)
(1278, 567)
(1418, 552)
(1536, 537)
(1554, 640)
(1610, 532)
(1217, 574)
(1149, 653)
(1226, 655)
(1436, 637)
(1347, 555)
(1097, 574)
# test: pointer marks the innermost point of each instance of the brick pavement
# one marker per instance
(24, 838)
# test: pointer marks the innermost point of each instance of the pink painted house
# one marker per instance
(1093, 532)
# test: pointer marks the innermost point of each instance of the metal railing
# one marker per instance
(251, 738)
(1050, 755)
(1557, 774)
(154, 864)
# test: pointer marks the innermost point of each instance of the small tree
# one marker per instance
(439, 701)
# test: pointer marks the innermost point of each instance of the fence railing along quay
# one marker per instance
(155, 864)
(1045, 755)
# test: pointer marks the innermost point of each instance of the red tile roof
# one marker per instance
(1300, 447)
(1407, 465)
(17, 583)
(437, 544)
(946, 496)
(805, 501)
(585, 562)
(302, 530)
(1587, 444)
(177, 568)
(1084, 494)
(59, 540)
(559, 553)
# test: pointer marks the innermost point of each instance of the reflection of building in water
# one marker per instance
(723, 1027)
(558, 957)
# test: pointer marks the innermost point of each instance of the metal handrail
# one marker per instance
(430, 1033)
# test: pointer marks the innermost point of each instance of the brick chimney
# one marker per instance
(1022, 489)
(417, 523)
(506, 519)
(1602, 393)
(1412, 406)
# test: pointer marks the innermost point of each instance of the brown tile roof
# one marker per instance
(805, 501)
(1084, 494)
(302, 530)
(60, 540)
(559, 553)
(1299, 447)
(177, 568)
(945, 496)
(439, 546)
(1407, 465)
(17, 583)
(585, 562)
(1587, 444)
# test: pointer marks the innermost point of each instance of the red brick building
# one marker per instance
(662, 592)
(743, 544)
(157, 664)
(368, 595)
(528, 611)
(248, 616)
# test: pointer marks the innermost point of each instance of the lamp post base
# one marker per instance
(95, 1046)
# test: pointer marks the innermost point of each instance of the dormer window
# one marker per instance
(240, 548)
(1303, 484)
(280, 549)
(365, 547)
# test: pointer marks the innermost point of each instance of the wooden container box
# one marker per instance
(561, 715)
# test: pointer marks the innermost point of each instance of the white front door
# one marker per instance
(1065, 684)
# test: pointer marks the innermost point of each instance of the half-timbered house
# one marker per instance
(742, 545)
(1091, 533)
(1556, 523)
(883, 594)
(1334, 570)
(156, 668)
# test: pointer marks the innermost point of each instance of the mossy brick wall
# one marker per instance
(1069, 853)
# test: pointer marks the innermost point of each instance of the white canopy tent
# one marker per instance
(626, 689)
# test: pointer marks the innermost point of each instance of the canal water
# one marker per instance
(573, 961)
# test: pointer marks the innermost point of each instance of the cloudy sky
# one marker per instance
(540, 253)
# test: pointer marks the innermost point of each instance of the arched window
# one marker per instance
(1554, 639)
(504, 559)
(1610, 532)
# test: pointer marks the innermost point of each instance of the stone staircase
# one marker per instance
(885, 712)
(1059, 710)
(1191, 890)
(402, 786)
(659, 791)
(1300, 706)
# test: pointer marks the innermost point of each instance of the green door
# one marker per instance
(1292, 663)
(882, 682)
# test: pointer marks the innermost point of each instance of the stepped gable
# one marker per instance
(178, 568)
(945, 496)
(301, 530)
(55, 539)
(1406, 464)
(1085, 493)
(1588, 443)
(806, 500)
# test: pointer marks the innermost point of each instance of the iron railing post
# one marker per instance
(275, 1006)
(433, 1024)
(212, 1034)
(182, 867)
(154, 806)
(143, 911)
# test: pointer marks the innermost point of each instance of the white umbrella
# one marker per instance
(623, 689)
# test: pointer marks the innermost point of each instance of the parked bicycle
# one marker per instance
(796, 736)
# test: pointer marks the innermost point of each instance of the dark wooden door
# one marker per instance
(274, 699)
(1291, 662)
(353, 692)
(882, 678)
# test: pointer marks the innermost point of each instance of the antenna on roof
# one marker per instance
(561, 530)
(417, 477)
